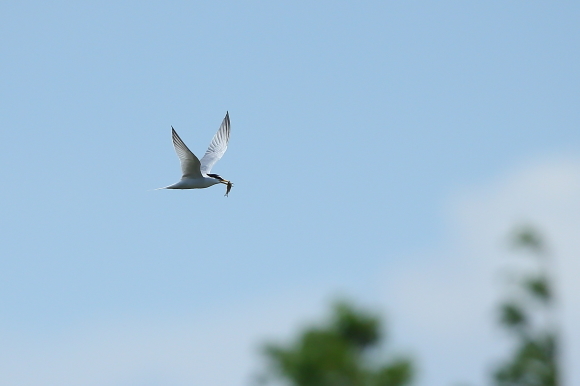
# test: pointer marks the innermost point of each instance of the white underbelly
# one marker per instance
(194, 183)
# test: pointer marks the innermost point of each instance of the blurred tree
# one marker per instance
(338, 353)
(529, 316)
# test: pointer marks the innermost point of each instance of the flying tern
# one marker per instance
(196, 173)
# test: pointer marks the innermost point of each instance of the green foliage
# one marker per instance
(398, 372)
(357, 328)
(337, 354)
(529, 237)
(512, 315)
(529, 317)
(539, 288)
(533, 364)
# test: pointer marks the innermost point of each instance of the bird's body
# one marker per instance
(194, 183)
(196, 173)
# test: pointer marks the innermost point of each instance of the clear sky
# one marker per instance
(380, 150)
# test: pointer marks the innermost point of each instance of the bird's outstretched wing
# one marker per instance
(217, 147)
(190, 165)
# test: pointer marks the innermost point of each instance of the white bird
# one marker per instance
(196, 173)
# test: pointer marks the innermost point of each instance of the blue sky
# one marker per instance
(362, 132)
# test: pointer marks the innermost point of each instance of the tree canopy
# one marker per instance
(341, 352)
(528, 315)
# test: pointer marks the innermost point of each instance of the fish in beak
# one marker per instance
(229, 186)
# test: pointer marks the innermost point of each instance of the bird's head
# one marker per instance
(222, 181)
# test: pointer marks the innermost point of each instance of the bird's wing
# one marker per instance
(217, 147)
(190, 165)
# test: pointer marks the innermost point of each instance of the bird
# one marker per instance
(195, 173)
